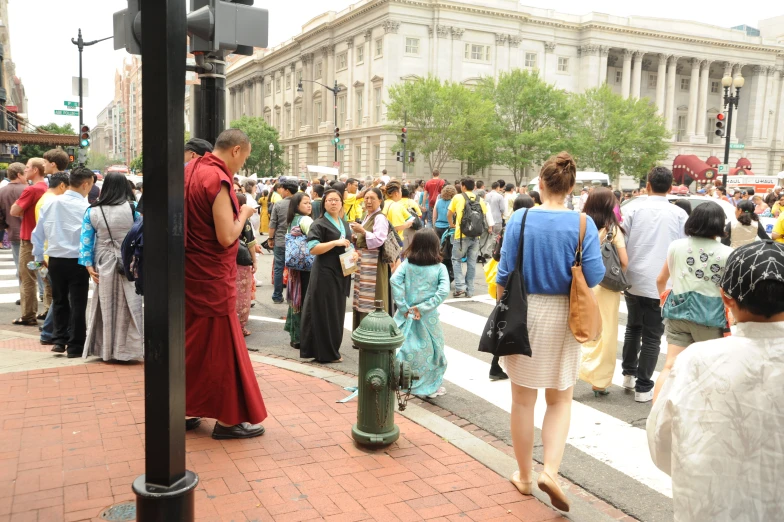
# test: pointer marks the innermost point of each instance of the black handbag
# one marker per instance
(614, 278)
(506, 331)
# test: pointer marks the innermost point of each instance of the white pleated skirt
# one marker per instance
(555, 362)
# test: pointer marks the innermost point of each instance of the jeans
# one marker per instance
(47, 332)
(469, 248)
(70, 287)
(27, 283)
(642, 341)
(15, 252)
(279, 265)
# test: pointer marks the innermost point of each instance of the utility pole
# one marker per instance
(209, 118)
(405, 132)
(81, 44)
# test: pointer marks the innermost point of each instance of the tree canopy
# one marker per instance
(37, 151)
(137, 163)
(261, 134)
(616, 135)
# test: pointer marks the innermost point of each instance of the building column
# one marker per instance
(456, 62)
(661, 84)
(550, 62)
(627, 73)
(516, 58)
(329, 74)
(669, 110)
(702, 105)
(770, 104)
(368, 112)
(694, 89)
(250, 109)
(756, 100)
(501, 57)
(259, 92)
(779, 132)
(637, 74)
(308, 87)
(589, 63)
(350, 94)
(604, 52)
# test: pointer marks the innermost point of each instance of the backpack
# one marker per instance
(132, 251)
(614, 278)
(473, 219)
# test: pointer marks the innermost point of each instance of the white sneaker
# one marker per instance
(441, 391)
(258, 283)
(643, 396)
(629, 382)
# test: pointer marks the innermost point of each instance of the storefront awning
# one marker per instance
(687, 168)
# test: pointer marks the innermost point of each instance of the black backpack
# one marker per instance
(132, 253)
(473, 219)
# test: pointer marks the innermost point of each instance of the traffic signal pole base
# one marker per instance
(375, 439)
(159, 504)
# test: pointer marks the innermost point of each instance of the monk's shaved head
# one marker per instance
(231, 138)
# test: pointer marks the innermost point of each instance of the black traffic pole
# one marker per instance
(81, 44)
(210, 96)
(165, 493)
(731, 100)
(335, 90)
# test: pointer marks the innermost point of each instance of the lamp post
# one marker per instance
(272, 168)
(730, 100)
(335, 90)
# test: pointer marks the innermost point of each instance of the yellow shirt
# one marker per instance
(396, 212)
(778, 228)
(457, 205)
(410, 203)
(275, 198)
(352, 206)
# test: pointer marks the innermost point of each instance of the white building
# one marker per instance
(373, 44)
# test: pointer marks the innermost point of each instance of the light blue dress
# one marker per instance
(425, 287)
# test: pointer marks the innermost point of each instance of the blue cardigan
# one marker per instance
(551, 239)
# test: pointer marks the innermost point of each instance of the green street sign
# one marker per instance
(737, 145)
(66, 113)
(341, 147)
(71, 104)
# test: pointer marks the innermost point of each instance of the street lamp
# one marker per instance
(271, 149)
(335, 90)
(730, 100)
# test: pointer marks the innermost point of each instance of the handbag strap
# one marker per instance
(578, 255)
(107, 225)
(521, 251)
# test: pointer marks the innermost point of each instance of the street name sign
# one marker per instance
(737, 145)
(66, 113)
(71, 104)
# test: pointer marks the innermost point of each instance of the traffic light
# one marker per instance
(720, 125)
(404, 136)
(336, 139)
(128, 28)
(399, 155)
(411, 157)
(71, 155)
(233, 25)
(84, 136)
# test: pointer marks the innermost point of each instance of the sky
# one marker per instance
(46, 60)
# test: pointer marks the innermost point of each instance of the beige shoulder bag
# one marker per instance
(585, 322)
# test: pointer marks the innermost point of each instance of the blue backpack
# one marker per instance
(132, 253)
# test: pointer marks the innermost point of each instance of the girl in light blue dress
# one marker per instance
(419, 285)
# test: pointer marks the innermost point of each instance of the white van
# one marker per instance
(584, 179)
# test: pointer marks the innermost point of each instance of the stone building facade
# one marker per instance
(677, 65)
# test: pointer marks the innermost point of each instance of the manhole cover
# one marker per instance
(123, 512)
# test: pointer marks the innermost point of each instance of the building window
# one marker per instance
(685, 85)
(357, 159)
(377, 111)
(318, 112)
(379, 47)
(342, 61)
(288, 82)
(341, 111)
(361, 54)
(412, 45)
(530, 60)
(479, 53)
(618, 77)
(319, 70)
(681, 136)
(277, 84)
(715, 89)
(359, 107)
(269, 89)
(376, 158)
(652, 79)
(563, 64)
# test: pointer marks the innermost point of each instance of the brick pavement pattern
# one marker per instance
(72, 443)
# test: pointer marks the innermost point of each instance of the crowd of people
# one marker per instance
(712, 286)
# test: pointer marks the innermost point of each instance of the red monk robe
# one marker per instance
(219, 379)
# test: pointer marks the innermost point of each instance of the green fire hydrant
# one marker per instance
(381, 378)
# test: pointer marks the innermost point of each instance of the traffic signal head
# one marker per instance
(399, 156)
(227, 25)
(336, 140)
(720, 124)
(403, 135)
(84, 136)
(128, 28)
(411, 157)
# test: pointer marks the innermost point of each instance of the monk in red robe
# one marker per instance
(219, 378)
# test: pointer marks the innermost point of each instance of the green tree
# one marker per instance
(137, 163)
(618, 136)
(445, 121)
(37, 151)
(532, 119)
(98, 161)
(187, 136)
(261, 134)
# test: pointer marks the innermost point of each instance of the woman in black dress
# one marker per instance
(324, 309)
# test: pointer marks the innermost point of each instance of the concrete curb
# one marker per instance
(478, 449)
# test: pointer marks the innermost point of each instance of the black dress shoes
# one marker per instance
(192, 423)
(58, 348)
(244, 430)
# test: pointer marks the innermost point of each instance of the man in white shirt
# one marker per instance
(717, 427)
(649, 231)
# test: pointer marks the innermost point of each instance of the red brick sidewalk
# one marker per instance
(72, 443)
